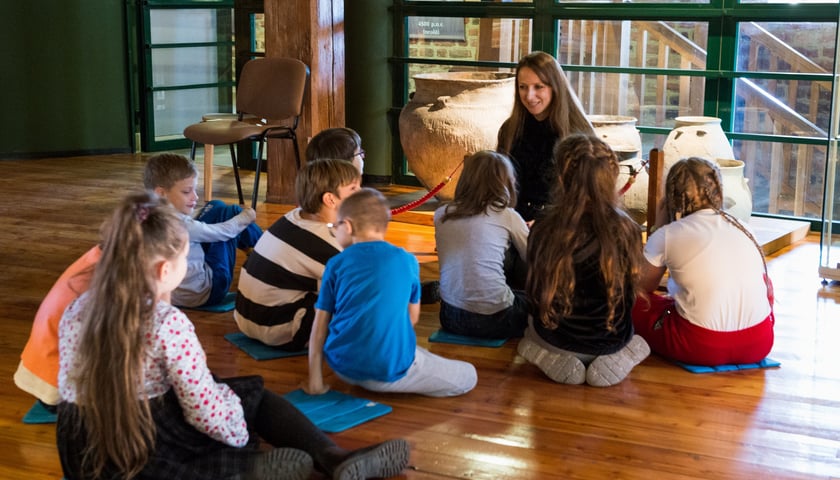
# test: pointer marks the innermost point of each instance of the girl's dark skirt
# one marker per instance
(181, 451)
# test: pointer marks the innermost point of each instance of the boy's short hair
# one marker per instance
(166, 169)
(338, 143)
(368, 209)
(319, 177)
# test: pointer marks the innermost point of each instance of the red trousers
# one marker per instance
(656, 319)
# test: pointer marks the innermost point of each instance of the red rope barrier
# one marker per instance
(425, 198)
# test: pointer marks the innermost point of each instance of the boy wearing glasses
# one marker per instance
(366, 312)
(339, 143)
(280, 280)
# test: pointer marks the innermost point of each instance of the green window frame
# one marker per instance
(720, 76)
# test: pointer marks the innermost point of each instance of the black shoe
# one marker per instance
(279, 464)
(430, 292)
(386, 459)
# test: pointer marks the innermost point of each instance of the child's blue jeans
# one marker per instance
(221, 256)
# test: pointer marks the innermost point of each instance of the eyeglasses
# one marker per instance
(361, 153)
(333, 226)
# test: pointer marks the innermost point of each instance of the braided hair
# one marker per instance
(693, 184)
(584, 220)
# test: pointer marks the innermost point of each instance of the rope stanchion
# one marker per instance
(425, 198)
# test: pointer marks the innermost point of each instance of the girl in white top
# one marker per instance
(481, 244)
(719, 307)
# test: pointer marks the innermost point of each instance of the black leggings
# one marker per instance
(281, 424)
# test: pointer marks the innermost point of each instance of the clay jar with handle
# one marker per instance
(737, 198)
(449, 116)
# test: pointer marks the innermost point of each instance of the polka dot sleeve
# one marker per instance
(180, 362)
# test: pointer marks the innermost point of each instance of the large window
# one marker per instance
(765, 70)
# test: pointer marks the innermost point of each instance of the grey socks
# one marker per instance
(565, 367)
(559, 365)
(607, 370)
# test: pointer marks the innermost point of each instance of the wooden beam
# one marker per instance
(313, 32)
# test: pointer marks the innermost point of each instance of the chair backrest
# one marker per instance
(272, 88)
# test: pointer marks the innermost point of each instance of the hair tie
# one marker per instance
(141, 211)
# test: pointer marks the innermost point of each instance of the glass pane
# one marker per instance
(258, 32)
(188, 66)
(652, 99)
(783, 107)
(785, 179)
(636, 1)
(633, 43)
(175, 109)
(485, 1)
(457, 38)
(187, 26)
(786, 47)
(787, 1)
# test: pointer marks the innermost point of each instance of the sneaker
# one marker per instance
(430, 292)
(280, 464)
(608, 370)
(562, 367)
(386, 459)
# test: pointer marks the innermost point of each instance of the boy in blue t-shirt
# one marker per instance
(367, 308)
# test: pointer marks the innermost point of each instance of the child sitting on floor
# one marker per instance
(339, 143)
(37, 372)
(280, 280)
(584, 258)
(367, 309)
(216, 231)
(138, 400)
(480, 238)
(719, 307)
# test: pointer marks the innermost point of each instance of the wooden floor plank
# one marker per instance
(662, 422)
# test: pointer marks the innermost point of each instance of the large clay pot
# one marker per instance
(620, 133)
(737, 198)
(452, 115)
(696, 137)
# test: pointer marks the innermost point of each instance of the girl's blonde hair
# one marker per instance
(487, 181)
(582, 221)
(565, 112)
(108, 375)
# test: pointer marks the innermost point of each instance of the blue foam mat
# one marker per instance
(258, 350)
(441, 336)
(334, 411)
(39, 414)
(226, 305)
(766, 363)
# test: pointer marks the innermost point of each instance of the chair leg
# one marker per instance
(236, 173)
(297, 150)
(192, 151)
(256, 191)
(208, 172)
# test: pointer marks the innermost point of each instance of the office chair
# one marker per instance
(269, 102)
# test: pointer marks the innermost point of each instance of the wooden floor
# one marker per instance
(661, 423)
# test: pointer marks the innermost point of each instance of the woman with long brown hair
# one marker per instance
(138, 400)
(584, 257)
(545, 110)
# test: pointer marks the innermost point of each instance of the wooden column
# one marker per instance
(313, 32)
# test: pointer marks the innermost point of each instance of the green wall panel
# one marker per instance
(64, 86)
